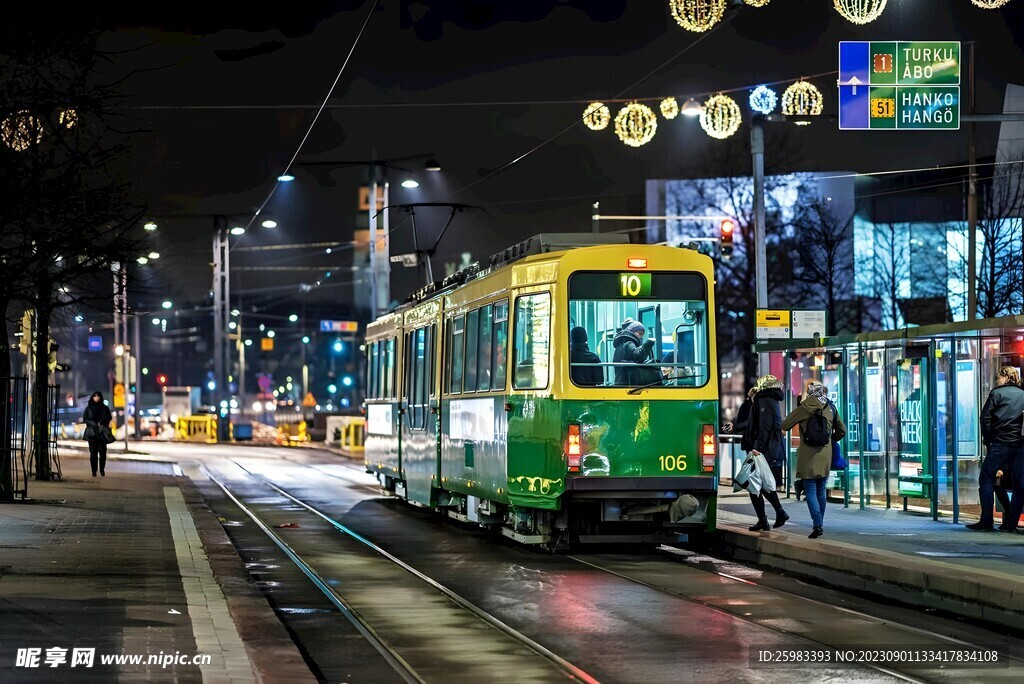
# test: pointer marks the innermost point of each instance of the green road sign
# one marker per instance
(904, 85)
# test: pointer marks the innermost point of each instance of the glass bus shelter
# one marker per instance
(911, 400)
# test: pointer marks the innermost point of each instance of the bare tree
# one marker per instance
(824, 237)
(66, 213)
(890, 270)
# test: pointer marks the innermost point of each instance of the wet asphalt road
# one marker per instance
(656, 621)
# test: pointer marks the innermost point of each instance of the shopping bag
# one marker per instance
(765, 473)
(838, 462)
(742, 479)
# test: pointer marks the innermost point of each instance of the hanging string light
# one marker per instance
(802, 99)
(860, 11)
(596, 116)
(697, 15)
(757, 3)
(669, 108)
(763, 100)
(721, 117)
(21, 130)
(635, 124)
(990, 4)
(68, 118)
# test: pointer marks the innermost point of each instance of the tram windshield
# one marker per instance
(638, 329)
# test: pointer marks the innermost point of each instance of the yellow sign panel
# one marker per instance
(772, 318)
(267, 344)
(309, 401)
(119, 395)
(883, 108)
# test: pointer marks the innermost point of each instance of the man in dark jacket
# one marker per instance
(630, 347)
(97, 421)
(579, 352)
(1001, 422)
(764, 435)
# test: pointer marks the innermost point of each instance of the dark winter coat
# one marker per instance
(1002, 416)
(764, 429)
(585, 375)
(629, 350)
(96, 415)
(741, 425)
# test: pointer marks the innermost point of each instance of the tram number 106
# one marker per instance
(672, 463)
(635, 285)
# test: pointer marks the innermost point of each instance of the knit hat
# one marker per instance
(767, 382)
(637, 328)
(578, 335)
(816, 389)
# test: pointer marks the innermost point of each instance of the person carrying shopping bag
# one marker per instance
(764, 436)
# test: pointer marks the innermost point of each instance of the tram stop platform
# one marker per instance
(891, 554)
(128, 578)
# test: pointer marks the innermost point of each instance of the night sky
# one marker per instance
(225, 93)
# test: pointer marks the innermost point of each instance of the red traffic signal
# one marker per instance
(161, 379)
(727, 228)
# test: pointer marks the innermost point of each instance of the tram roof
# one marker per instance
(985, 327)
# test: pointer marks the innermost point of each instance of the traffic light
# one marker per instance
(51, 359)
(161, 379)
(727, 227)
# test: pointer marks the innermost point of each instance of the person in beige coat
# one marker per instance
(814, 462)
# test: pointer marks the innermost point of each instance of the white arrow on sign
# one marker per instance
(854, 82)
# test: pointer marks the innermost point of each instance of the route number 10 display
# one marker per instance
(635, 285)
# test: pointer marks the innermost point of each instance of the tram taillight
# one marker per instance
(573, 447)
(708, 448)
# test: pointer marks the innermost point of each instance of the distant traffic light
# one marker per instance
(727, 227)
(161, 379)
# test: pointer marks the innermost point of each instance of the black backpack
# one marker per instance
(817, 432)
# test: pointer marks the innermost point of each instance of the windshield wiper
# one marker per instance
(641, 388)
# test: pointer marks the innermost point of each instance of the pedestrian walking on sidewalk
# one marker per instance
(820, 425)
(1002, 422)
(763, 435)
(97, 426)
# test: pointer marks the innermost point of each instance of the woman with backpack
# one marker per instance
(820, 425)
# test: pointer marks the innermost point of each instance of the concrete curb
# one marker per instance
(986, 595)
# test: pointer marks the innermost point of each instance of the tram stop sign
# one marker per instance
(899, 85)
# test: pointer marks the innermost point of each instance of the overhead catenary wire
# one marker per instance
(320, 110)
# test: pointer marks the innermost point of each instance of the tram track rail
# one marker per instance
(388, 652)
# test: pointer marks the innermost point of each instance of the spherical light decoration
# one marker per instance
(21, 131)
(597, 116)
(860, 11)
(669, 108)
(802, 99)
(763, 100)
(635, 124)
(697, 15)
(757, 3)
(721, 117)
(990, 4)
(68, 118)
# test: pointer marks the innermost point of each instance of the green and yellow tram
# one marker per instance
(477, 405)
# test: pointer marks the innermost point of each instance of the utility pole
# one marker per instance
(760, 252)
(137, 353)
(372, 203)
(221, 314)
(972, 200)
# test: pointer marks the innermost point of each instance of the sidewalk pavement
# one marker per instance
(119, 566)
(891, 554)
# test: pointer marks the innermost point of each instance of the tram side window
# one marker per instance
(472, 339)
(419, 355)
(389, 370)
(532, 341)
(455, 350)
(373, 371)
(431, 355)
(483, 375)
(500, 348)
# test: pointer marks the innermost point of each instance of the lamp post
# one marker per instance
(380, 268)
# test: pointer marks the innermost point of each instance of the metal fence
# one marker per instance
(14, 432)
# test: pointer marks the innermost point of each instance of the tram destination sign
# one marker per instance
(899, 85)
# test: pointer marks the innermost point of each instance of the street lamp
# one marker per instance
(285, 178)
(269, 223)
(294, 318)
(149, 226)
(154, 255)
(692, 108)
(410, 183)
(237, 230)
(431, 165)
(166, 304)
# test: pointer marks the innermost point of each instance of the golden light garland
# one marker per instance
(757, 3)
(860, 11)
(68, 118)
(697, 15)
(802, 99)
(597, 116)
(990, 4)
(635, 124)
(21, 131)
(721, 117)
(669, 108)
